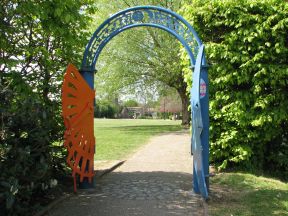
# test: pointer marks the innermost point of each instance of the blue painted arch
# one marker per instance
(166, 20)
(171, 22)
(181, 39)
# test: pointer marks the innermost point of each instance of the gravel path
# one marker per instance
(157, 180)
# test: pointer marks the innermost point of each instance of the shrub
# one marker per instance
(38, 39)
(28, 156)
(104, 109)
(247, 50)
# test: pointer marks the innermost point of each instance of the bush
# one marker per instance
(130, 103)
(27, 154)
(247, 49)
(38, 39)
(104, 110)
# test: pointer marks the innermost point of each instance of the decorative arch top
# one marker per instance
(141, 16)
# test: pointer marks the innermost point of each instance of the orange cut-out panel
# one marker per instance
(78, 114)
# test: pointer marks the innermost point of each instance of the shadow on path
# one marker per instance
(135, 193)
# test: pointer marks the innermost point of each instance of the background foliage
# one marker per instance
(144, 60)
(106, 109)
(38, 39)
(247, 49)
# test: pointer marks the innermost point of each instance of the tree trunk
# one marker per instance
(186, 117)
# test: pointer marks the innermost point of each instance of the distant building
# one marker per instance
(137, 112)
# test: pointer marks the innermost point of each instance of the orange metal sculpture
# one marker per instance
(77, 111)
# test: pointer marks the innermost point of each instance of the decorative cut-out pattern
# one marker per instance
(77, 111)
(139, 16)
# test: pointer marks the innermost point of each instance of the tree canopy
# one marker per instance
(143, 58)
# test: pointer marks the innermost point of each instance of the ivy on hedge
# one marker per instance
(247, 49)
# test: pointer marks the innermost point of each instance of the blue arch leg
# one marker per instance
(195, 182)
(204, 137)
(205, 117)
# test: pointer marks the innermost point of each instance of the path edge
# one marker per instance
(98, 174)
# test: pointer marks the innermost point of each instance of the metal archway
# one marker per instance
(176, 25)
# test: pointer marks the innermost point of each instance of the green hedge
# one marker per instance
(29, 160)
(247, 48)
(38, 39)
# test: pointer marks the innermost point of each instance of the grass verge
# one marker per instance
(247, 195)
(117, 138)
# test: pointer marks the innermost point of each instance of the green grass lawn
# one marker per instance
(240, 194)
(118, 138)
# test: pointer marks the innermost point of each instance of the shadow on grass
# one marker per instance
(149, 129)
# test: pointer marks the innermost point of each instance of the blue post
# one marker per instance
(88, 76)
(204, 101)
(195, 182)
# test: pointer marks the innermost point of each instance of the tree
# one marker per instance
(38, 39)
(144, 56)
(170, 104)
(247, 48)
(130, 103)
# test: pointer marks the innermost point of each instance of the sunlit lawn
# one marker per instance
(240, 194)
(118, 138)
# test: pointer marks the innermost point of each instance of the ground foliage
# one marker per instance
(38, 39)
(247, 50)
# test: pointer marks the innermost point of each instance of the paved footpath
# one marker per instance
(157, 180)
